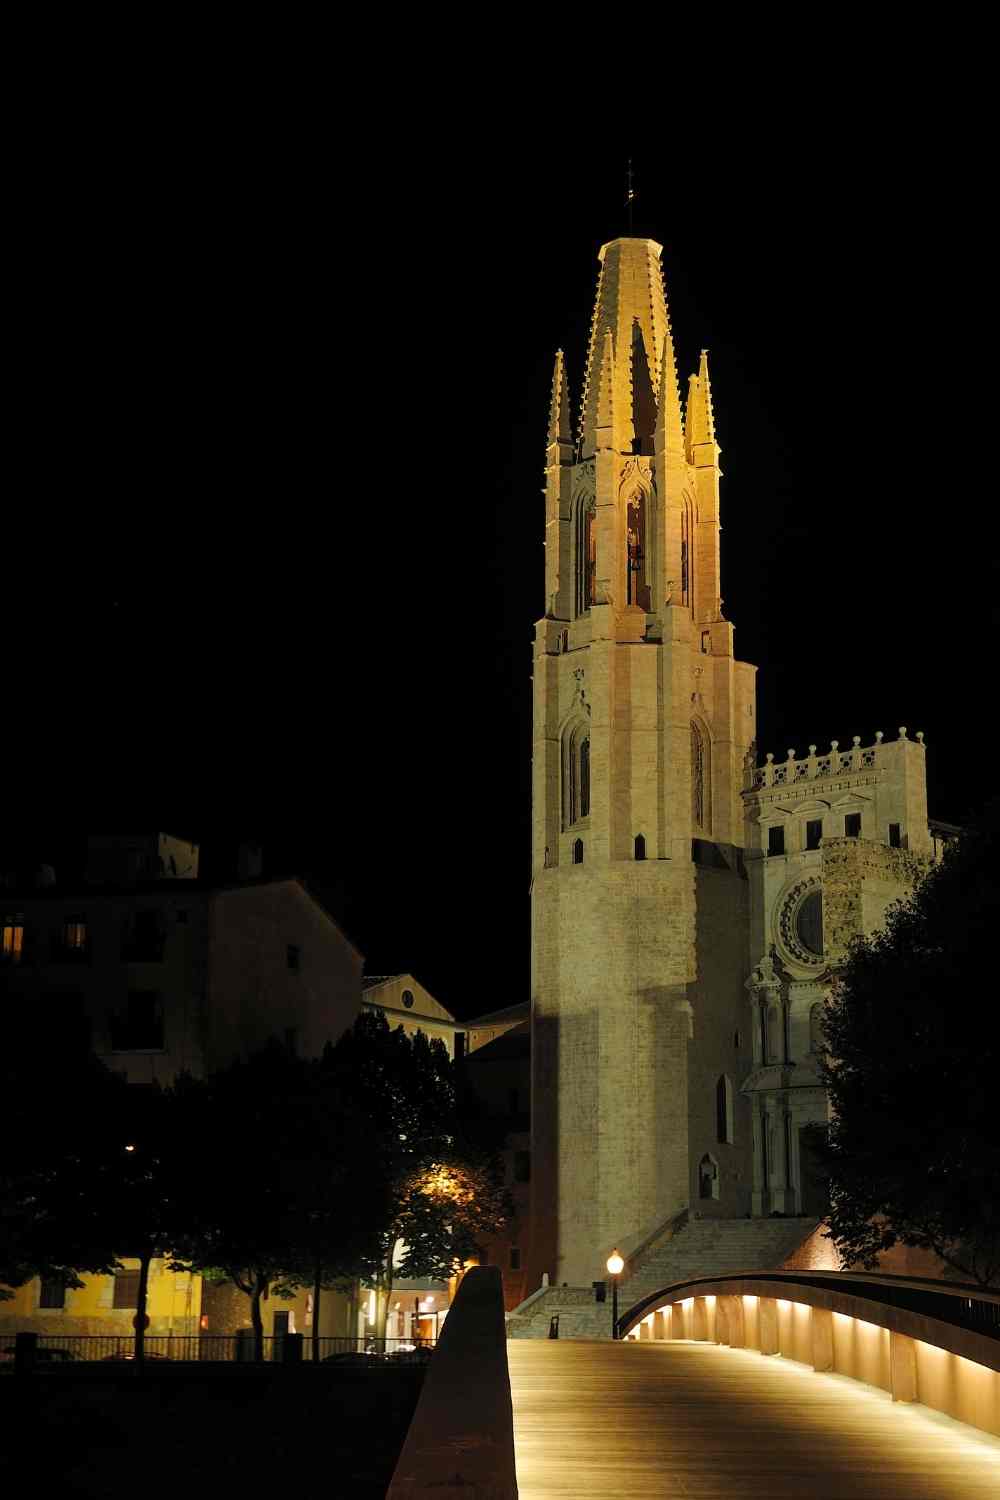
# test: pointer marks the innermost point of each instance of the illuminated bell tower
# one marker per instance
(642, 723)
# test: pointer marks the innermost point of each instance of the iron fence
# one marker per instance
(55, 1350)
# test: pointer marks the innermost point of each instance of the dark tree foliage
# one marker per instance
(446, 1196)
(913, 1038)
(63, 1143)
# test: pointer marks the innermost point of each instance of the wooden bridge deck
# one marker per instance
(594, 1421)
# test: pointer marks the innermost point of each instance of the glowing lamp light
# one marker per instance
(615, 1263)
(129, 1148)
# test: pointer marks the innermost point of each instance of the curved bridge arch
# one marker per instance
(918, 1340)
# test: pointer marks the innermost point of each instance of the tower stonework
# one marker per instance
(643, 723)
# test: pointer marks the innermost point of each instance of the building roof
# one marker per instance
(510, 1013)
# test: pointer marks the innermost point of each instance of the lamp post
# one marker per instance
(615, 1267)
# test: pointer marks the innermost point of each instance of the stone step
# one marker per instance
(704, 1247)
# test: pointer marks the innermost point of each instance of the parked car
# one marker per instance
(43, 1355)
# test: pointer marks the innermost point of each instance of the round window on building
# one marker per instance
(408, 998)
(809, 923)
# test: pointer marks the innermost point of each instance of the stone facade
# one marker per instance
(688, 906)
(642, 721)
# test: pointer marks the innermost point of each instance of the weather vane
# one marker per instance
(629, 195)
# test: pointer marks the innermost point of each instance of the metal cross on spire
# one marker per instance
(629, 195)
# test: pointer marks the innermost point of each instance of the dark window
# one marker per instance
(126, 1289)
(140, 1029)
(724, 1110)
(144, 938)
(852, 826)
(182, 917)
(515, 1258)
(578, 851)
(294, 954)
(640, 846)
(895, 836)
(737, 1040)
(584, 778)
(522, 1166)
(52, 1294)
(775, 839)
(814, 832)
(408, 999)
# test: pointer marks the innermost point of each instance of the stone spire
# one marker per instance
(604, 392)
(700, 417)
(560, 427)
(630, 309)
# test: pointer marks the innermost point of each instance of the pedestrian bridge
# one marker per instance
(823, 1387)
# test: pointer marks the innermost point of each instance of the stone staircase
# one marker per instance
(694, 1248)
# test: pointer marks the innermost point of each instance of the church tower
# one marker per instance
(643, 721)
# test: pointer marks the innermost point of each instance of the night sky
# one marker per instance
(283, 416)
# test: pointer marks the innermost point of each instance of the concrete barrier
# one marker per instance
(461, 1439)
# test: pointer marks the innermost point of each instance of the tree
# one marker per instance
(913, 1037)
(61, 1142)
(445, 1193)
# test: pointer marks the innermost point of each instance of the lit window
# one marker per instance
(75, 933)
(13, 940)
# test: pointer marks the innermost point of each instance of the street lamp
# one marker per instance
(615, 1267)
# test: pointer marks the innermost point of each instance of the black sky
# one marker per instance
(281, 424)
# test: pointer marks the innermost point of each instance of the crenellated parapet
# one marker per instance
(821, 765)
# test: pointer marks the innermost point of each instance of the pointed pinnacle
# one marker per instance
(669, 423)
(701, 419)
(560, 429)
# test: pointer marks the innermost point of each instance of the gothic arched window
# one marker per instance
(578, 851)
(636, 560)
(699, 780)
(576, 773)
(640, 846)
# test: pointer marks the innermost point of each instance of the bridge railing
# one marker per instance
(931, 1342)
(461, 1438)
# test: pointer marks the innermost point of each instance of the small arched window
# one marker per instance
(640, 846)
(725, 1111)
(636, 562)
(708, 1177)
(586, 556)
(578, 851)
